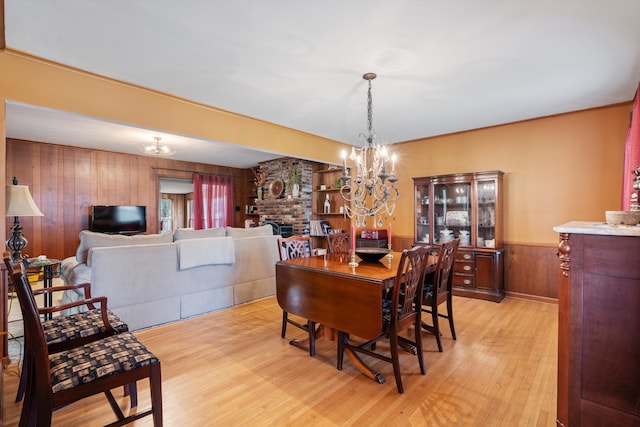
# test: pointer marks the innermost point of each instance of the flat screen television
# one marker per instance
(118, 219)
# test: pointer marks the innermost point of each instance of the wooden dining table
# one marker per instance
(326, 290)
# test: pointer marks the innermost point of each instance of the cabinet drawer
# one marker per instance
(464, 256)
(463, 267)
(463, 280)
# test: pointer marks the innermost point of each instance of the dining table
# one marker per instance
(342, 297)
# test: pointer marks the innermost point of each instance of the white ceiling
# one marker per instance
(443, 66)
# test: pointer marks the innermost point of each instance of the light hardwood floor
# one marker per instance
(232, 368)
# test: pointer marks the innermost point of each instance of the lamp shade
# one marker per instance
(20, 203)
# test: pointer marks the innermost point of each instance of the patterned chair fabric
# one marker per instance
(79, 325)
(99, 359)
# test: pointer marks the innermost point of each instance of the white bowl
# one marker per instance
(622, 217)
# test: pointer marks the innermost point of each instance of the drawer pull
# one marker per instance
(466, 256)
(467, 268)
(466, 281)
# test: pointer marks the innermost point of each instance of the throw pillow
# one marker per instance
(190, 233)
(265, 230)
(90, 239)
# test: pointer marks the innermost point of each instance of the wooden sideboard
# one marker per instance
(598, 325)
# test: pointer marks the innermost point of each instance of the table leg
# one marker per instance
(351, 352)
(363, 367)
(48, 283)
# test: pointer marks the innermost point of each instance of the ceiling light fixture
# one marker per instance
(157, 149)
(373, 193)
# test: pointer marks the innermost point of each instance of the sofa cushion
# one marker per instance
(190, 233)
(90, 239)
(265, 230)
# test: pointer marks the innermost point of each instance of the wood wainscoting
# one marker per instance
(530, 270)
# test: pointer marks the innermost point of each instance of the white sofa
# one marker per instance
(154, 279)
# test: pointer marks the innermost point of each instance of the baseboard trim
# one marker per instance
(528, 297)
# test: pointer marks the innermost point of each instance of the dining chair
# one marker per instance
(67, 331)
(338, 243)
(291, 248)
(399, 313)
(58, 379)
(438, 291)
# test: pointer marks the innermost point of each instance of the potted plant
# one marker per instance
(294, 181)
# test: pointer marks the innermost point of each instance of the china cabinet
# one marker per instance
(468, 207)
(326, 187)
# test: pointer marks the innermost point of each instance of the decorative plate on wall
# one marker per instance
(276, 188)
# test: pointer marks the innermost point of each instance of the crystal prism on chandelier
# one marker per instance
(373, 192)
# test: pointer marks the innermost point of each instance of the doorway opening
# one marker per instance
(176, 204)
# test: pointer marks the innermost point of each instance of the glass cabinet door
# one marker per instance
(422, 213)
(486, 193)
(452, 212)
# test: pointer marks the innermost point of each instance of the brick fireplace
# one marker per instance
(287, 209)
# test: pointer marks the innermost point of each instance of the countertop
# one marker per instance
(595, 227)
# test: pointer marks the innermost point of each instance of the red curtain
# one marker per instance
(631, 153)
(212, 201)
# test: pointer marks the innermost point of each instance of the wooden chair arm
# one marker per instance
(86, 287)
(102, 301)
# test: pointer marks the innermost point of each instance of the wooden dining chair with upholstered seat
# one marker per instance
(67, 331)
(439, 291)
(399, 313)
(338, 243)
(291, 248)
(58, 379)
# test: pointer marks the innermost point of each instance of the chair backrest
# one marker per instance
(33, 330)
(408, 285)
(8, 262)
(338, 243)
(294, 247)
(444, 268)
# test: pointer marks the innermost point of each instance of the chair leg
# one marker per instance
(22, 385)
(311, 325)
(341, 338)
(131, 390)
(395, 360)
(417, 331)
(155, 385)
(284, 323)
(436, 326)
(450, 316)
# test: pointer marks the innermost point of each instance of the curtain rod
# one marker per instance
(188, 171)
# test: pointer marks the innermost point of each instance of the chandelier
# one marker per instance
(157, 149)
(373, 192)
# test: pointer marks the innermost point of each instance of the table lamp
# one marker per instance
(19, 203)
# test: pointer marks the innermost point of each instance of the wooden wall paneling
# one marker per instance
(81, 197)
(69, 205)
(67, 181)
(531, 270)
